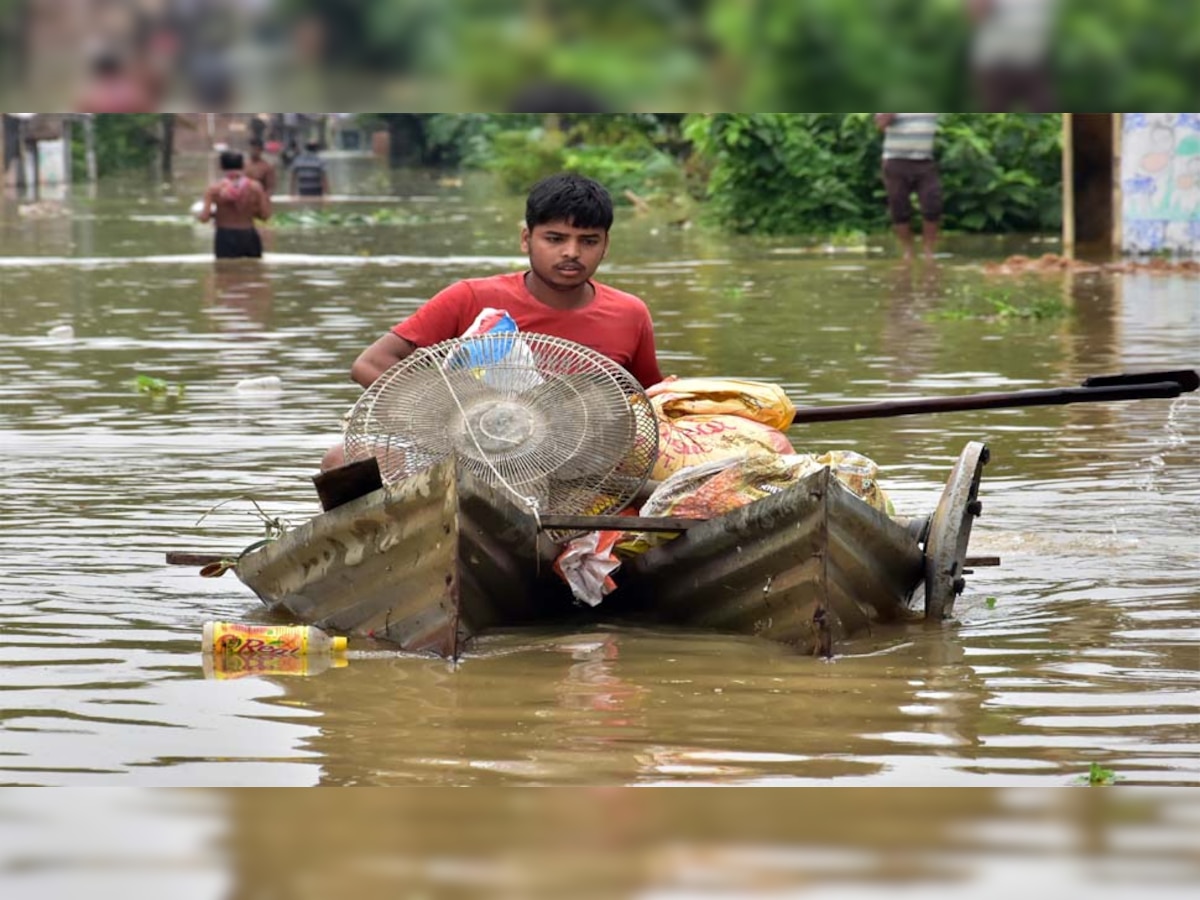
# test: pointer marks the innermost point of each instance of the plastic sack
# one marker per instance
(714, 488)
(505, 363)
(858, 473)
(692, 440)
(586, 564)
(759, 401)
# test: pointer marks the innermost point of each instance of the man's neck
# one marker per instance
(572, 298)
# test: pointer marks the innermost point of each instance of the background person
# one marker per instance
(233, 203)
(259, 168)
(909, 167)
(309, 178)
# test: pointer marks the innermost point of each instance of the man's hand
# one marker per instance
(379, 357)
(883, 120)
(207, 205)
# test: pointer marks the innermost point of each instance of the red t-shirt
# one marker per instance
(614, 323)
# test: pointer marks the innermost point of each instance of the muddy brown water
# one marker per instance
(1080, 648)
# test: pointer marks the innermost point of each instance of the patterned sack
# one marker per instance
(692, 440)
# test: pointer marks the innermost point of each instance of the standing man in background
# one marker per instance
(309, 178)
(909, 167)
(259, 168)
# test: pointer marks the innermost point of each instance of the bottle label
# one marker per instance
(260, 640)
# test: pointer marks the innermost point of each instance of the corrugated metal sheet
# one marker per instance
(768, 567)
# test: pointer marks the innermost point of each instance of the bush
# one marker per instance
(813, 173)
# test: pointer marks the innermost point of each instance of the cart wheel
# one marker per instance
(950, 532)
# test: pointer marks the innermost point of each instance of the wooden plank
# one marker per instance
(348, 482)
(980, 562)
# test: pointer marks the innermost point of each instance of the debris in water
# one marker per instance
(264, 384)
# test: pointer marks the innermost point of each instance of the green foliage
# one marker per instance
(1006, 303)
(790, 173)
(156, 387)
(124, 142)
(1098, 776)
(810, 173)
(322, 218)
(1001, 172)
(623, 152)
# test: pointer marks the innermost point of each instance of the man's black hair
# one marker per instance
(312, 146)
(570, 198)
(231, 161)
(256, 143)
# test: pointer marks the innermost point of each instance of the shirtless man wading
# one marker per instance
(234, 203)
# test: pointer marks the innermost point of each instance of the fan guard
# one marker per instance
(562, 427)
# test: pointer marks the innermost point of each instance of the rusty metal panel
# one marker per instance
(766, 568)
(425, 563)
(383, 565)
(505, 564)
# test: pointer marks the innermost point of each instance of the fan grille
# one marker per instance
(552, 421)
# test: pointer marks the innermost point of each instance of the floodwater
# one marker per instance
(1081, 648)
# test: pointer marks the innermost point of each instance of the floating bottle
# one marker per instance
(237, 639)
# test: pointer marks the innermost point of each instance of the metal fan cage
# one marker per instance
(563, 428)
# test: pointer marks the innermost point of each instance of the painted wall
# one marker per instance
(1160, 182)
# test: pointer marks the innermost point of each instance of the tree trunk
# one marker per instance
(406, 139)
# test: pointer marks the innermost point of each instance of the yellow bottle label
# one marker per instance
(260, 640)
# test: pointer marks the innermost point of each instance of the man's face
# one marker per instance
(562, 255)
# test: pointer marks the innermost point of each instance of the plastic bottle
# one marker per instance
(235, 638)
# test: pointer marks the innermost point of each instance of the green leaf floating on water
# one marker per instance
(1098, 776)
(148, 384)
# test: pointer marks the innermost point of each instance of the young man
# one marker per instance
(259, 168)
(908, 167)
(567, 220)
(309, 178)
(234, 203)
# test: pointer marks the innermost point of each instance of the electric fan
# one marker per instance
(561, 427)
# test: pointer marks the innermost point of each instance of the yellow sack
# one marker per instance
(692, 440)
(755, 400)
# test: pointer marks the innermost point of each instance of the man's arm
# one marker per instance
(379, 357)
(264, 204)
(883, 120)
(269, 180)
(206, 205)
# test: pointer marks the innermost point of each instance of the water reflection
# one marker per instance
(239, 294)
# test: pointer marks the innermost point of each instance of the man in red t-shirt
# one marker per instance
(567, 220)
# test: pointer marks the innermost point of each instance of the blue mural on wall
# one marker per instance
(1160, 182)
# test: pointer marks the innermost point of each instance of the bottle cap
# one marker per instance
(339, 644)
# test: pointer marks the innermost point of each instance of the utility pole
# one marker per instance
(66, 139)
(167, 123)
(89, 146)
